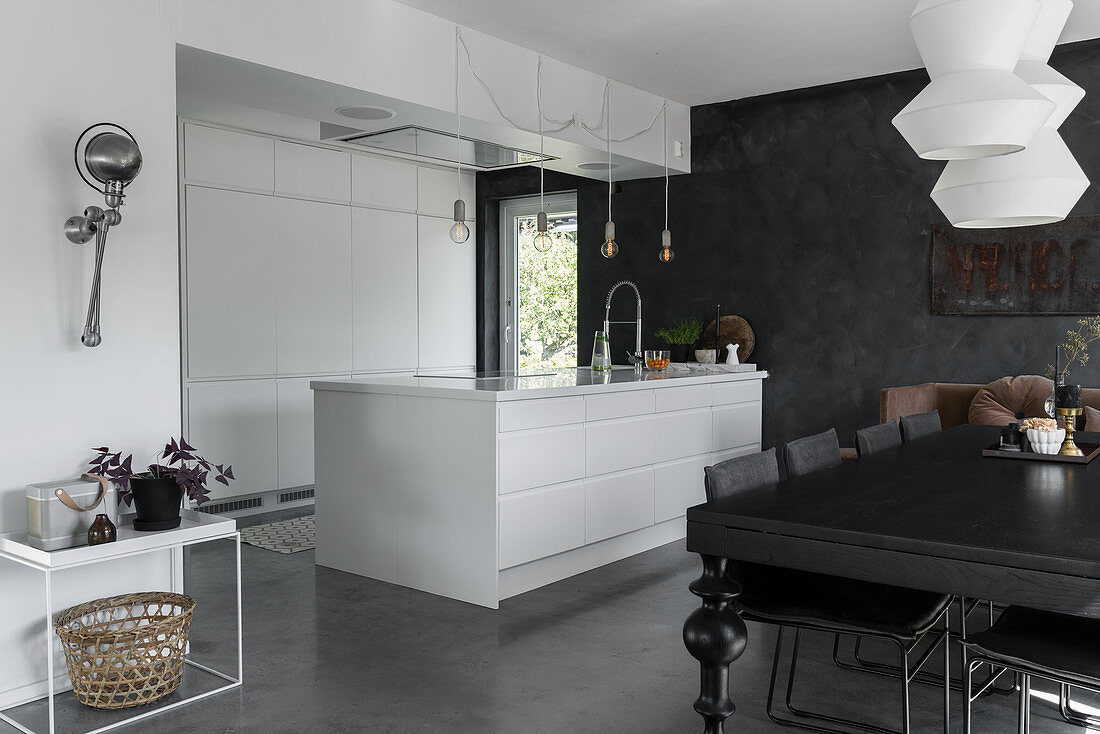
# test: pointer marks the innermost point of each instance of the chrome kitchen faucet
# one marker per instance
(636, 358)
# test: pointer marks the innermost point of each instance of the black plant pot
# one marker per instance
(679, 352)
(157, 501)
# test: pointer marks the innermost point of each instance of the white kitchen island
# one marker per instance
(483, 488)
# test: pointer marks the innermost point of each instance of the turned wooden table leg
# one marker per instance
(715, 635)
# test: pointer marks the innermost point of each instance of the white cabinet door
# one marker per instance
(313, 287)
(437, 189)
(235, 423)
(230, 294)
(619, 444)
(383, 264)
(228, 158)
(386, 183)
(295, 414)
(678, 485)
(683, 433)
(618, 503)
(540, 523)
(312, 172)
(736, 425)
(541, 457)
(447, 296)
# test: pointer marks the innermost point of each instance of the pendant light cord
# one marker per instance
(542, 143)
(664, 145)
(607, 109)
(575, 121)
(458, 115)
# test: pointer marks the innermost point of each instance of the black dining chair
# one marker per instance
(1063, 648)
(920, 425)
(810, 601)
(812, 453)
(873, 439)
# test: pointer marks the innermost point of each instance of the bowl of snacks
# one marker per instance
(1043, 434)
(656, 359)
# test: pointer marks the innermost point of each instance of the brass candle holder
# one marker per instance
(1069, 417)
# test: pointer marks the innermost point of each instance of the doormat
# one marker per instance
(287, 536)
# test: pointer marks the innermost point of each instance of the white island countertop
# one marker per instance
(537, 384)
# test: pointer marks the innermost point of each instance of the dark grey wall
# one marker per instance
(808, 214)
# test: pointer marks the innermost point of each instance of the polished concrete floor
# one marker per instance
(599, 653)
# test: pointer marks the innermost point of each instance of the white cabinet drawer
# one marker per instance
(682, 398)
(313, 172)
(678, 485)
(618, 504)
(521, 415)
(229, 158)
(618, 405)
(540, 458)
(724, 393)
(683, 434)
(618, 445)
(383, 182)
(719, 456)
(736, 425)
(540, 523)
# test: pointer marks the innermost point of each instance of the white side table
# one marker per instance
(196, 527)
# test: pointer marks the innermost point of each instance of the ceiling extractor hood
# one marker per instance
(423, 142)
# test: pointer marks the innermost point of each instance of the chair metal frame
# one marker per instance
(1023, 674)
(906, 648)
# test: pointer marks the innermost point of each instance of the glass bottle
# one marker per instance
(601, 353)
(102, 531)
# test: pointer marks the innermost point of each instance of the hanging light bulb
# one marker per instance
(459, 231)
(666, 255)
(610, 248)
(542, 241)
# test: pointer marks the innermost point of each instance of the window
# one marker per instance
(538, 309)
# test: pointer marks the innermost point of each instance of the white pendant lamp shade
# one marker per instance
(975, 106)
(1054, 86)
(973, 114)
(1038, 185)
(954, 35)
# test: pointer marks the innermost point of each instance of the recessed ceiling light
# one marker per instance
(596, 166)
(366, 112)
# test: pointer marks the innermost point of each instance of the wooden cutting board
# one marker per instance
(734, 330)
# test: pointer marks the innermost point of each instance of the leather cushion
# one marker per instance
(1092, 419)
(1062, 645)
(787, 596)
(1008, 399)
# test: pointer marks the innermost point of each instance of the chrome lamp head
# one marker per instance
(109, 155)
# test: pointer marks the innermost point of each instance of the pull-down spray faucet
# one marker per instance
(636, 357)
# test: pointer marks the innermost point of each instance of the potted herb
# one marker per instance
(1076, 351)
(681, 337)
(157, 494)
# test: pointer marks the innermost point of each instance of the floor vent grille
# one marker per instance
(232, 506)
(300, 494)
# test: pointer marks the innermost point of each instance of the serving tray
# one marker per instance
(1091, 451)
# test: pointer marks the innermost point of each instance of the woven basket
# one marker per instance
(126, 650)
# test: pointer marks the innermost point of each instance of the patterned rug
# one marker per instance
(288, 536)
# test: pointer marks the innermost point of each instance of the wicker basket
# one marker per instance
(126, 650)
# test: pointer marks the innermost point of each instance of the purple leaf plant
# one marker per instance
(179, 461)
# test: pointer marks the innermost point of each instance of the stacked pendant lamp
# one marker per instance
(993, 110)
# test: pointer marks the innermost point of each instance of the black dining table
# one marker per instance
(933, 514)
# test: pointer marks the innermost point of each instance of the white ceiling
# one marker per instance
(700, 51)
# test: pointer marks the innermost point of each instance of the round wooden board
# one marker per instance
(735, 330)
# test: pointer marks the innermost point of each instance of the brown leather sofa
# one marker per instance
(951, 399)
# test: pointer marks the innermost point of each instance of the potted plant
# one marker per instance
(157, 494)
(680, 338)
(1076, 351)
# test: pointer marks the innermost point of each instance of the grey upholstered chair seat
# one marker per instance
(878, 438)
(812, 453)
(920, 425)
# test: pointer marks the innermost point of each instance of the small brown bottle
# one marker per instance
(101, 531)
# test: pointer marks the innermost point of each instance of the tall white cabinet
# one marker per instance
(302, 261)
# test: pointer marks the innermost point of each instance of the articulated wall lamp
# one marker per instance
(114, 160)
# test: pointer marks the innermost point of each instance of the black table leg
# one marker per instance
(715, 635)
